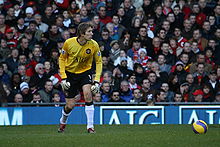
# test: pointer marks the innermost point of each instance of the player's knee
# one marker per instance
(69, 106)
(67, 109)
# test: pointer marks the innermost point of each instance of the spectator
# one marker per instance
(73, 8)
(115, 96)
(3, 26)
(115, 50)
(200, 75)
(213, 82)
(125, 91)
(125, 40)
(5, 68)
(132, 82)
(20, 25)
(180, 72)
(48, 69)
(187, 49)
(217, 13)
(48, 91)
(29, 12)
(129, 10)
(15, 82)
(106, 64)
(217, 97)
(36, 98)
(145, 88)
(200, 58)
(135, 26)
(143, 58)
(54, 33)
(84, 14)
(102, 15)
(206, 30)
(56, 98)
(162, 64)
(184, 90)
(170, 59)
(106, 40)
(22, 72)
(33, 29)
(178, 36)
(124, 68)
(40, 25)
(137, 95)
(39, 78)
(190, 81)
(155, 84)
(98, 26)
(173, 82)
(169, 94)
(139, 72)
(49, 17)
(18, 98)
(197, 36)
(160, 96)
(208, 94)
(4, 77)
(156, 45)
(67, 19)
(117, 78)
(187, 29)
(37, 55)
(97, 97)
(24, 46)
(5, 51)
(10, 38)
(129, 60)
(3, 95)
(133, 52)
(178, 97)
(25, 92)
(107, 76)
(47, 45)
(105, 91)
(198, 95)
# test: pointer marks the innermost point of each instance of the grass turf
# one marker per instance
(114, 135)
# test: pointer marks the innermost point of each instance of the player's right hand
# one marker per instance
(65, 85)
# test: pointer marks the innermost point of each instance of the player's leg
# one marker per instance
(66, 111)
(89, 107)
(71, 93)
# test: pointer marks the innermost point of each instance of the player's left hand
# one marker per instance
(95, 87)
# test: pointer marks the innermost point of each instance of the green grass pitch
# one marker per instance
(109, 135)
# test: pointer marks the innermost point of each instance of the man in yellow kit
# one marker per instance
(75, 63)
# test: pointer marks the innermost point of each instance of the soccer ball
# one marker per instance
(200, 127)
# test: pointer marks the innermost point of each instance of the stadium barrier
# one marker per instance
(116, 113)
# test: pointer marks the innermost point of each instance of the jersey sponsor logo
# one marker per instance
(88, 51)
(78, 59)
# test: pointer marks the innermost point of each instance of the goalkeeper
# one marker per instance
(75, 64)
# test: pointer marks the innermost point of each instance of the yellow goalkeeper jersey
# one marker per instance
(76, 58)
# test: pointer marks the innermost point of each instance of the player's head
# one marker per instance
(85, 30)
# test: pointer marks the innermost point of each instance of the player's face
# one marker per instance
(88, 34)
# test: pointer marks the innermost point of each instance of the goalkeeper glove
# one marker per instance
(65, 85)
(95, 87)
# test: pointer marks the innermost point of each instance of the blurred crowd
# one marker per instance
(152, 50)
